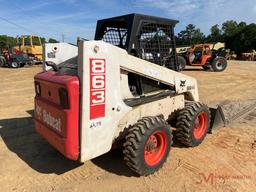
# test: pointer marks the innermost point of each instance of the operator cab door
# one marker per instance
(198, 53)
(206, 54)
(202, 54)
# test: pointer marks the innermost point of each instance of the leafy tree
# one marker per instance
(242, 25)
(36, 40)
(198, 36)
(229, 27)
(52, 41)
(215, 35)
(6, 41)
(188, 32)
(191, 35)
(244, 39)
(239, 37)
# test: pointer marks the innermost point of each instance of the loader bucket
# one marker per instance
(228, 111)
(217, 118)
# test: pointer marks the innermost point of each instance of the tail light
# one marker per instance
(37, 88)
(63, 94)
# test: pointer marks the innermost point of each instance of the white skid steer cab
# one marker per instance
(121, 87)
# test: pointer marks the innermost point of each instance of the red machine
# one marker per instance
(202, 55)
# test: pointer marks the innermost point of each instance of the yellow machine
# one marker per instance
(30, 45)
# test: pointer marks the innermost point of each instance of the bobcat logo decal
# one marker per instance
(182, 83)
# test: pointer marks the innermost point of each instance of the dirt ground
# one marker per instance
(225, 161)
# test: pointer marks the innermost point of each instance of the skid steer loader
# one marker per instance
(122, 86)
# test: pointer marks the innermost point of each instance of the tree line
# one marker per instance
(238, 37)
(8, 41)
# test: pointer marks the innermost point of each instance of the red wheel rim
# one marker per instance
(155, 148)
(200, 125)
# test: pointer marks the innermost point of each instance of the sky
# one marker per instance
(73, 18)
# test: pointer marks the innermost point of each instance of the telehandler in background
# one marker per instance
(204, 55)
(123, 87)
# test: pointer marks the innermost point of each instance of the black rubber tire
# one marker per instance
(2, 61)
(181, 62)
(22, 64)
(14, 64)
(219, 64)
(206, 68)
(186, 123)
(136, 140)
